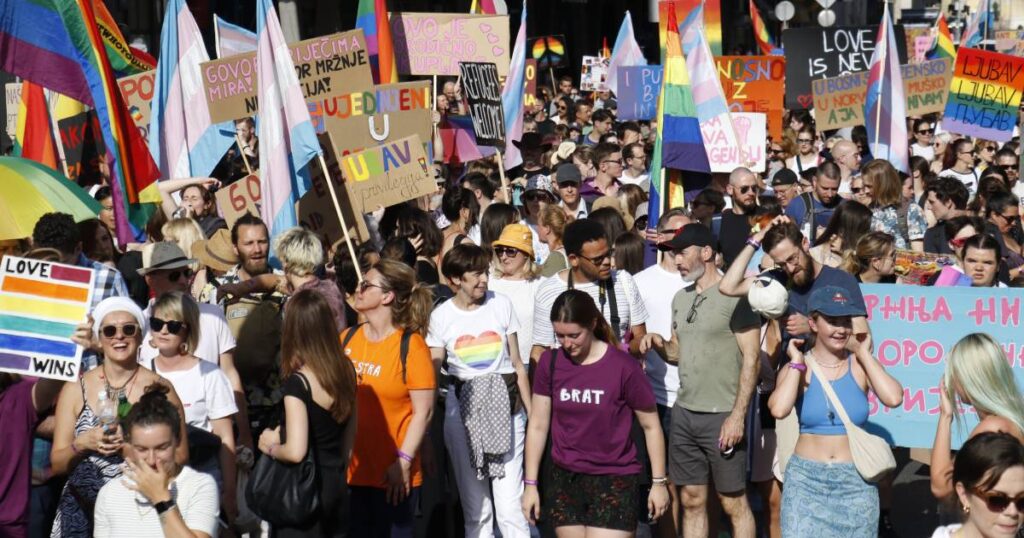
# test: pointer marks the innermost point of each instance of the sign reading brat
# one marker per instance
(389, 174)
(326, 66)
(483, 93)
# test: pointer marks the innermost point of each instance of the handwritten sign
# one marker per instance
(389, 174)
(813, 53)
(12, 100)
(1006, 41)
(368, 118)
(530, 83)
(435, 43)
(594, 74)
(839, 101)
(483, 94)
(40, 305)
(316, 209)
(638, 92)
(326, 66)
(137, 91)
(741, 145)
(754, 84)
(914, 328)
(239, 198)
(984, 95)
(83, 146)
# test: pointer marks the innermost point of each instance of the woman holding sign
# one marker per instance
(977, 374)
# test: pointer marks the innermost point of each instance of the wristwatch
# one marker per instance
(164, 506)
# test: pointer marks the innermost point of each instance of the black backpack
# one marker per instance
(403, 348)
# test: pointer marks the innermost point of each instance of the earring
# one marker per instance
(967, 509)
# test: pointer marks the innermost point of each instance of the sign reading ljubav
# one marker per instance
(984, 95)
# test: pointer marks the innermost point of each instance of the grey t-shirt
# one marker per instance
(709, 357)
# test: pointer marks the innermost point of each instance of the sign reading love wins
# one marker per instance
(435, 43)
(386, 175)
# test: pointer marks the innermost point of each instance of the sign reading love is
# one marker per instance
(435, 43)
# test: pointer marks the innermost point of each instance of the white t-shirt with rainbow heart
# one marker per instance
(475, 341)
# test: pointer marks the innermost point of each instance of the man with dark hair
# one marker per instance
(635, 165)
(820, 203)
(582, 113)
(483, 189)
(608, 161)
(569, 182)
(602, 121)
(631, 133)
(1007, 159)
(590, 270)
(946, 198)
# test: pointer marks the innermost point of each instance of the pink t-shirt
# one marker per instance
(592, 411)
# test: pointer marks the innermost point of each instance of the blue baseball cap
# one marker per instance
(833, 301)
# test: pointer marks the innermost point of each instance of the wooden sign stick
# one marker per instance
(341, 218)
(242, 151)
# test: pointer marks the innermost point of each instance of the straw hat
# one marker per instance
(216, 252)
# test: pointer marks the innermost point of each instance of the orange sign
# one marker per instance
(755, 84)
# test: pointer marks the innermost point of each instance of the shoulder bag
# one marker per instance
(286, 494)
(871, 454)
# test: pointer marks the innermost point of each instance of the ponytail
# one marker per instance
(413, 302)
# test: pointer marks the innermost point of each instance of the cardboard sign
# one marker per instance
(549, 51)
(389, 174)
(483, 95)
(368, 118)
(984, 95)
(921, 47)
(743, 145)
(435, 43)
(917, 36)
(138, 92)
(315, 209)
(530, 83)
(12, 100)
(754, 84)
(839, 102)
(594, 74)
(813, 53)
(913, 329)
(40, 305)
(1006, 41)
(83, 147)
(330, 65)
(241, 197)
(638, 92)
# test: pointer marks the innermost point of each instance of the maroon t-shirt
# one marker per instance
(592, 411)
(18, 417)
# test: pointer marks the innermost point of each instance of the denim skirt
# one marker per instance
(824, 500)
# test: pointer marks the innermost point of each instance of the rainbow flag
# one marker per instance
(372, 18)
(943, 46)
(885, 109)
(761, 35)
(37, 139)
(125, 59)
(57, 44)
(483, 7)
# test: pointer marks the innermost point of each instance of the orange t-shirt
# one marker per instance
(384, 406)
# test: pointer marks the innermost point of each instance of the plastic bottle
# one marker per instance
(106, 412)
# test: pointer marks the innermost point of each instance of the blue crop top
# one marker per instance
(818, 416)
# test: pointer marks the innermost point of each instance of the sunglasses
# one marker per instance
(692, 315)
(1010, 218)
(175, 275)
(173, 326)
(856, 190)
(998, 502)
(748, 188)
(959, 242)
(110, 331)
(926, 131)
(366, 284)
(506, 251)
(598, 260)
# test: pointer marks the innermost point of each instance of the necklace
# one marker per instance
(118, 392)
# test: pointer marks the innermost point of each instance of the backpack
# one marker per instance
(255, 323)
(810, 216)
(403, 348)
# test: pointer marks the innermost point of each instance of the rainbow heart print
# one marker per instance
(479, 352)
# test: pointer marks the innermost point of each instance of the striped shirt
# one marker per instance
(631, 309)
(123, 512)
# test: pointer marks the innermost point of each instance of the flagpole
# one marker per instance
(58, 142)
(242, 151)
(216, 38)
(504, 180)
(341, 218)
(881, 79)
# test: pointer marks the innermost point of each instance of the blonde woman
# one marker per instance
(514, 273)
(550, 226)
(185, 231)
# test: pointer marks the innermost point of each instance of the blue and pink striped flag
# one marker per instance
(708, 96)
(625, 53)
(287, 139)
(512, 97)
(885, 110)
(182, 140)
(974, 32)
(232, 39)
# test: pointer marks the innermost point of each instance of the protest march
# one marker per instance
(474, 273)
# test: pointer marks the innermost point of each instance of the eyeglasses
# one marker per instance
(748, 188)
(699, 300)
(107, 208)
(616, 161)
(997, 502)
(926, 131)
(366, 284)
(110, 331)
(173, 326)
(774, 151)
(506, 251)
(598, 260)
(805, 140)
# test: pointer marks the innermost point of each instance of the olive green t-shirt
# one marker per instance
(709, 357)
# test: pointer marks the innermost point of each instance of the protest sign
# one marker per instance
(330, 65)
(984, 95)
(740, 145)
(240, 197)
(917, 36)
(813, 53)
(137, 91)
(594, 74)
(435, 43)
(530, 83)
(389, 174)
(913, 329)
(839, 101)
(1006, 41)
(638, 92)
(83, 145)
(371, 117)
(549, 51)
(921, 47)
(40, 305)
(754, 84)
(12, 101)
(483, 95)
(316, 210)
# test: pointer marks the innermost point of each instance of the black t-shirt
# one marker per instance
(733, 235)
(327, 433)
(935, 239)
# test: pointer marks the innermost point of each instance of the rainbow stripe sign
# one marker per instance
(40, 305)
(984, 95)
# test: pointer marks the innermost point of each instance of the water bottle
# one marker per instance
(107, 413)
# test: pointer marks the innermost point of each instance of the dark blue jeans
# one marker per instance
(372, 516)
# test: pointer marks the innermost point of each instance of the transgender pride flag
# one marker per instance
(512, 97)
(885, 109)
(181, 139)
(625, 53)
(232, 39)
(287, 139)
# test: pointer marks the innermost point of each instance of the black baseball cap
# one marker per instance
(692, 234)
(784, 176)
(568, 173)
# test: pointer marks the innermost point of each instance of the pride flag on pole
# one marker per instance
(287, 139)
(512, 97)
(372, 18)
(125, 59)
(761, 35)
(625, 53)
(978, 26)
(885, 109)
(181, 139)
(232, 39)
(943, 46)
(34, 114)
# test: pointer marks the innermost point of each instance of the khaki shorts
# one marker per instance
(694, 452)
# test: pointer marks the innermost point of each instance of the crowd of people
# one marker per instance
(529, 357)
